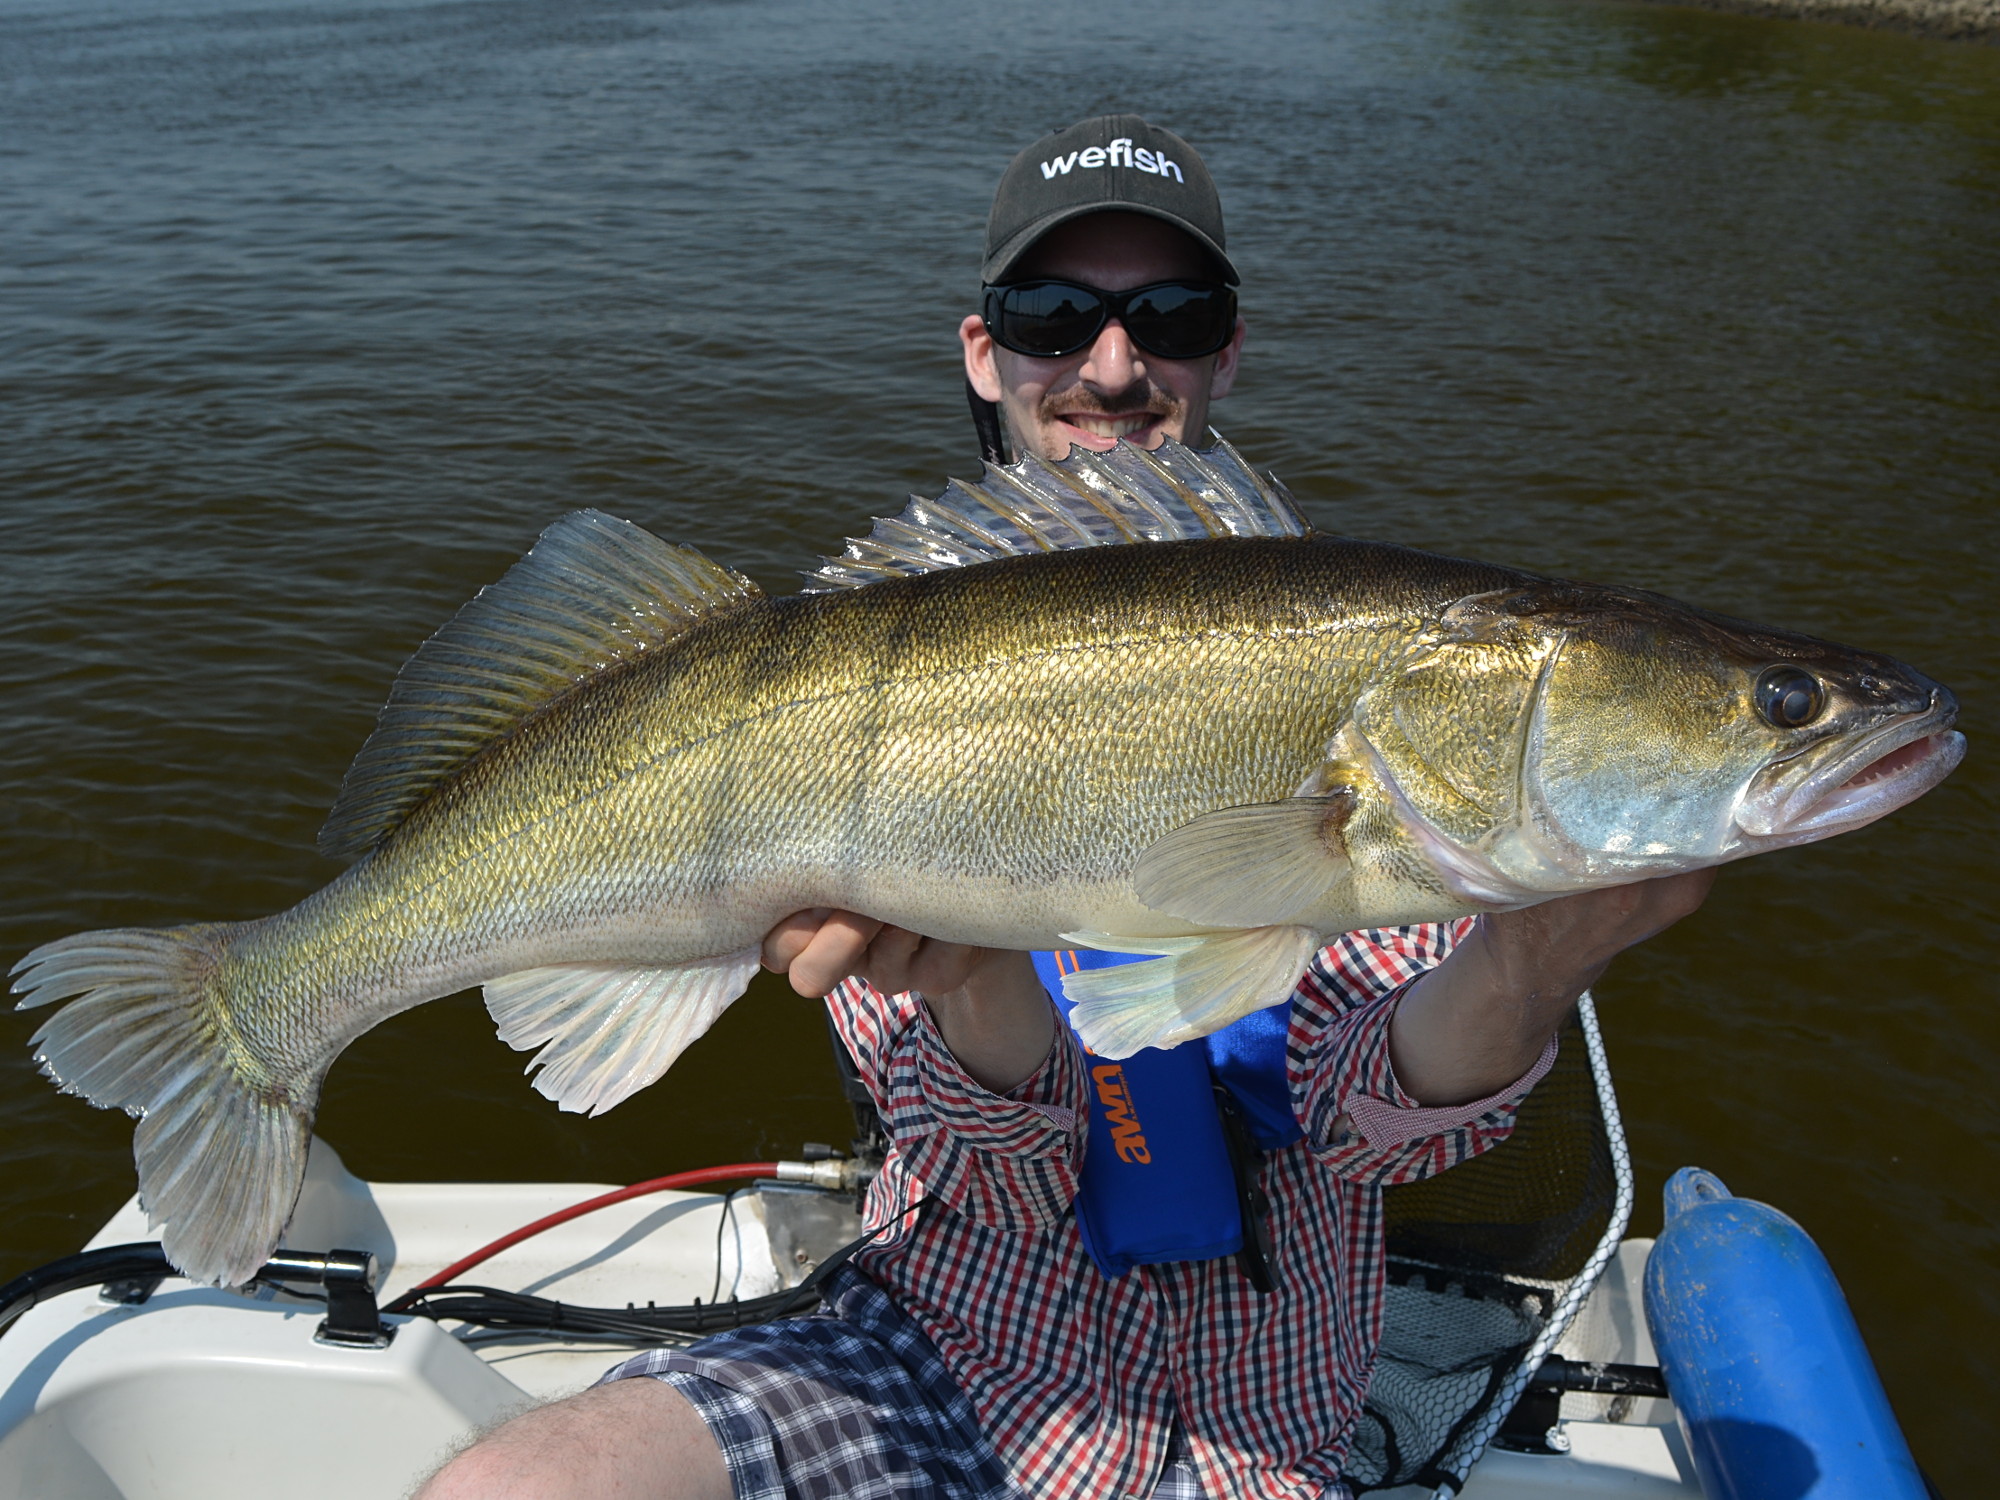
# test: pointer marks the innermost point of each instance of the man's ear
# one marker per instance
(1225, 363)
(980, 367)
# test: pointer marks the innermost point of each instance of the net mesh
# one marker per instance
(1487, 1264)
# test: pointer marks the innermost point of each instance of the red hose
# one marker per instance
(673, 1180)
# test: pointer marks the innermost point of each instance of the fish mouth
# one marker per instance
(1895, 765)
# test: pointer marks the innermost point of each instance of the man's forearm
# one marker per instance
(999, 1024)
(1477, 1022)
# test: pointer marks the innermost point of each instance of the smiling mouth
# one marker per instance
(1109, 427)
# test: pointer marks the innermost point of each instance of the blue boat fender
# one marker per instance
(1774, 1388)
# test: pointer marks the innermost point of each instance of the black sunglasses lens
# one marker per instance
(1178, 321)
(1047, 317)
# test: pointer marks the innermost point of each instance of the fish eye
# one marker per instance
(1788, 697)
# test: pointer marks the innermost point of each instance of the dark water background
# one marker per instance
(312, 315)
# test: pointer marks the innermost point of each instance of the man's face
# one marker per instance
(1113, 389)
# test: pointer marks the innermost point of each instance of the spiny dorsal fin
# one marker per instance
(1087, 500)
(592, 591)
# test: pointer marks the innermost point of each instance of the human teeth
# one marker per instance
(1110, 427)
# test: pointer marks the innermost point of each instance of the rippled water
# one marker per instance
(311, 316)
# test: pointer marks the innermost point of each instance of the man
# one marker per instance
(977, 1349)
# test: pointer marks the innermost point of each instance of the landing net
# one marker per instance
(1488, 1263)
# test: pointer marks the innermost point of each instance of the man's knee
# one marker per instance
(483, 1469)
(631, 1438)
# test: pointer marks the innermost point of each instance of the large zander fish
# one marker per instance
(1126, 700)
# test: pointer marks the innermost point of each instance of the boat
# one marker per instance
(398, 1319)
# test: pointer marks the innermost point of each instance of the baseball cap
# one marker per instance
(1111, 161)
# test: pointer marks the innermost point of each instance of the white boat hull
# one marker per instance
(206, 1395)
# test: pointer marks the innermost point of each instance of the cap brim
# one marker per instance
(1001, 261)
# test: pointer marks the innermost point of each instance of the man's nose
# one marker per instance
(1112, 362)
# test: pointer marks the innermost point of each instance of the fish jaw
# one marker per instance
(1793, 804)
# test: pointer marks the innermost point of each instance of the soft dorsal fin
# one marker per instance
(592, 591)
(1088, 500)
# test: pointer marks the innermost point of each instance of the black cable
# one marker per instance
(132, 1272)
(145, 1265)
(723, 1219)
(492, 1307)
(519, 1312)
(144, 1262)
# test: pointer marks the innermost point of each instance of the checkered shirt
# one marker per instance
(1077, 1379)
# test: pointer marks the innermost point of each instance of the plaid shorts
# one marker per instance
(851, 1402)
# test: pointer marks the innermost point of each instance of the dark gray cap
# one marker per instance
(1112, 161)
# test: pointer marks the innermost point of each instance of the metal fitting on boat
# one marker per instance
(845, 1175)
(353, 1321)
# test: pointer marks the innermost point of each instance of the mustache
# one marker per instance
(1150, 401)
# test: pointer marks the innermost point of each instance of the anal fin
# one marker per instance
(1197, 985)
(608, 1030)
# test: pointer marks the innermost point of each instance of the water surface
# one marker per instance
(312, 315)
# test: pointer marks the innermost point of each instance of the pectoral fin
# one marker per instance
(1255, 866)
(609, 1029)
(1196, 986)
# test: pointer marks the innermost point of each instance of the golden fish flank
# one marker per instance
(1126, 701)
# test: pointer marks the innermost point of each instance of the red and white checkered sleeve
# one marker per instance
(1356, 1116)
(1007, 1161)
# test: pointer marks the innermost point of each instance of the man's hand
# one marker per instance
(821, 947)
(1479, 1020)
(988, 1003)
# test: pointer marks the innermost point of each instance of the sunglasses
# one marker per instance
(1048, 319)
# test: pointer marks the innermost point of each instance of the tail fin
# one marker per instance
(221, 1145)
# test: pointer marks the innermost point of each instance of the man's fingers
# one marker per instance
(889, 959)
(834, 952)
(820, 947)
(785, 942)
(1576, 936)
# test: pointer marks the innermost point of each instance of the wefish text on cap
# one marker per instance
(1092, 157)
